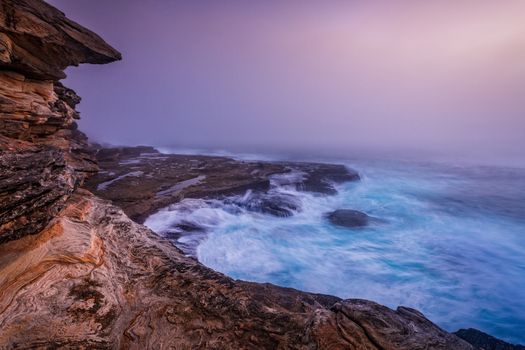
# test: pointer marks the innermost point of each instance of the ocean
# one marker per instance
(449, 240)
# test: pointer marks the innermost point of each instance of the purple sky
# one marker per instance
(446, 75)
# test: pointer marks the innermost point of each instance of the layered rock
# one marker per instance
(42, 154)
(96, 279)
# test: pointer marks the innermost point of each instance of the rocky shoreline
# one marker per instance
(141, 180)
(77, 272)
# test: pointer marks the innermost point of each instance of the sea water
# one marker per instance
(450, 241)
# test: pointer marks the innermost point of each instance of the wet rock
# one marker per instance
(220, 177)
(485, 341)
(320, 178)
(279, 205)
(348, 218)
(188, 227)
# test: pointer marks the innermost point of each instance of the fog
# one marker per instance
(443, 76)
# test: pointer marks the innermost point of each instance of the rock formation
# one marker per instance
(76, 272)
(141, 180)
(42, 155)
(485, 341)
(94, 278)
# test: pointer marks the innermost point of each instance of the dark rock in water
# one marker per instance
(485, 341)
(348, 218)
(189, 227)
(320, 178)
(281, 205)
(276, 209)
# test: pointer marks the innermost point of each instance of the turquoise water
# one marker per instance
(451, 242)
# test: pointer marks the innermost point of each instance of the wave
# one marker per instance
(450, 241)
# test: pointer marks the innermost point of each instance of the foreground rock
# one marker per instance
(96, 279)
(485, 341)
(348, 218)
(42, 156)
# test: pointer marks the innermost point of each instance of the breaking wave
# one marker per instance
(451, 241)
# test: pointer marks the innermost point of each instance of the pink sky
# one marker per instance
(439, 75)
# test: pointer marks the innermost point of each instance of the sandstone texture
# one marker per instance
(42, 154)
(96, 279)
(77, 273)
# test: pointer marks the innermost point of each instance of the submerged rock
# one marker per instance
(485, 341)
(348, 218)
(280, 205)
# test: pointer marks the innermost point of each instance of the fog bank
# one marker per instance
(441, 76)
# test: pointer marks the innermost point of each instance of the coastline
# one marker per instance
(77, 272)
(142, 178)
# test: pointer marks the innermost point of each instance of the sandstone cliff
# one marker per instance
(42, 155)
(76, 272)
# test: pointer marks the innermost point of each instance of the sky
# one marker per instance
(444, 76)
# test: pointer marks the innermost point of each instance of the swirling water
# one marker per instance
(451, 242)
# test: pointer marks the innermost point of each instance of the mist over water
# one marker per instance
(450, 242)
(442, 76)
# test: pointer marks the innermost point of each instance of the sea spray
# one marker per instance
(450, 241)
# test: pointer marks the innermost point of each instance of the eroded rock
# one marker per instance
(96, 279)
(43, 156)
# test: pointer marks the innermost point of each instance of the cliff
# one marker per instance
(76, 272)
(42, 156)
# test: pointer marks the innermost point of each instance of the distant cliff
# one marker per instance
(76, 272)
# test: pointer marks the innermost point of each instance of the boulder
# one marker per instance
(348, 218)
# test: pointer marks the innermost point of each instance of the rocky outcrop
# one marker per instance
(321, 179)
(42, 154)
(485, 341)
(141, 180)
(39, 42)
(96, 279)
